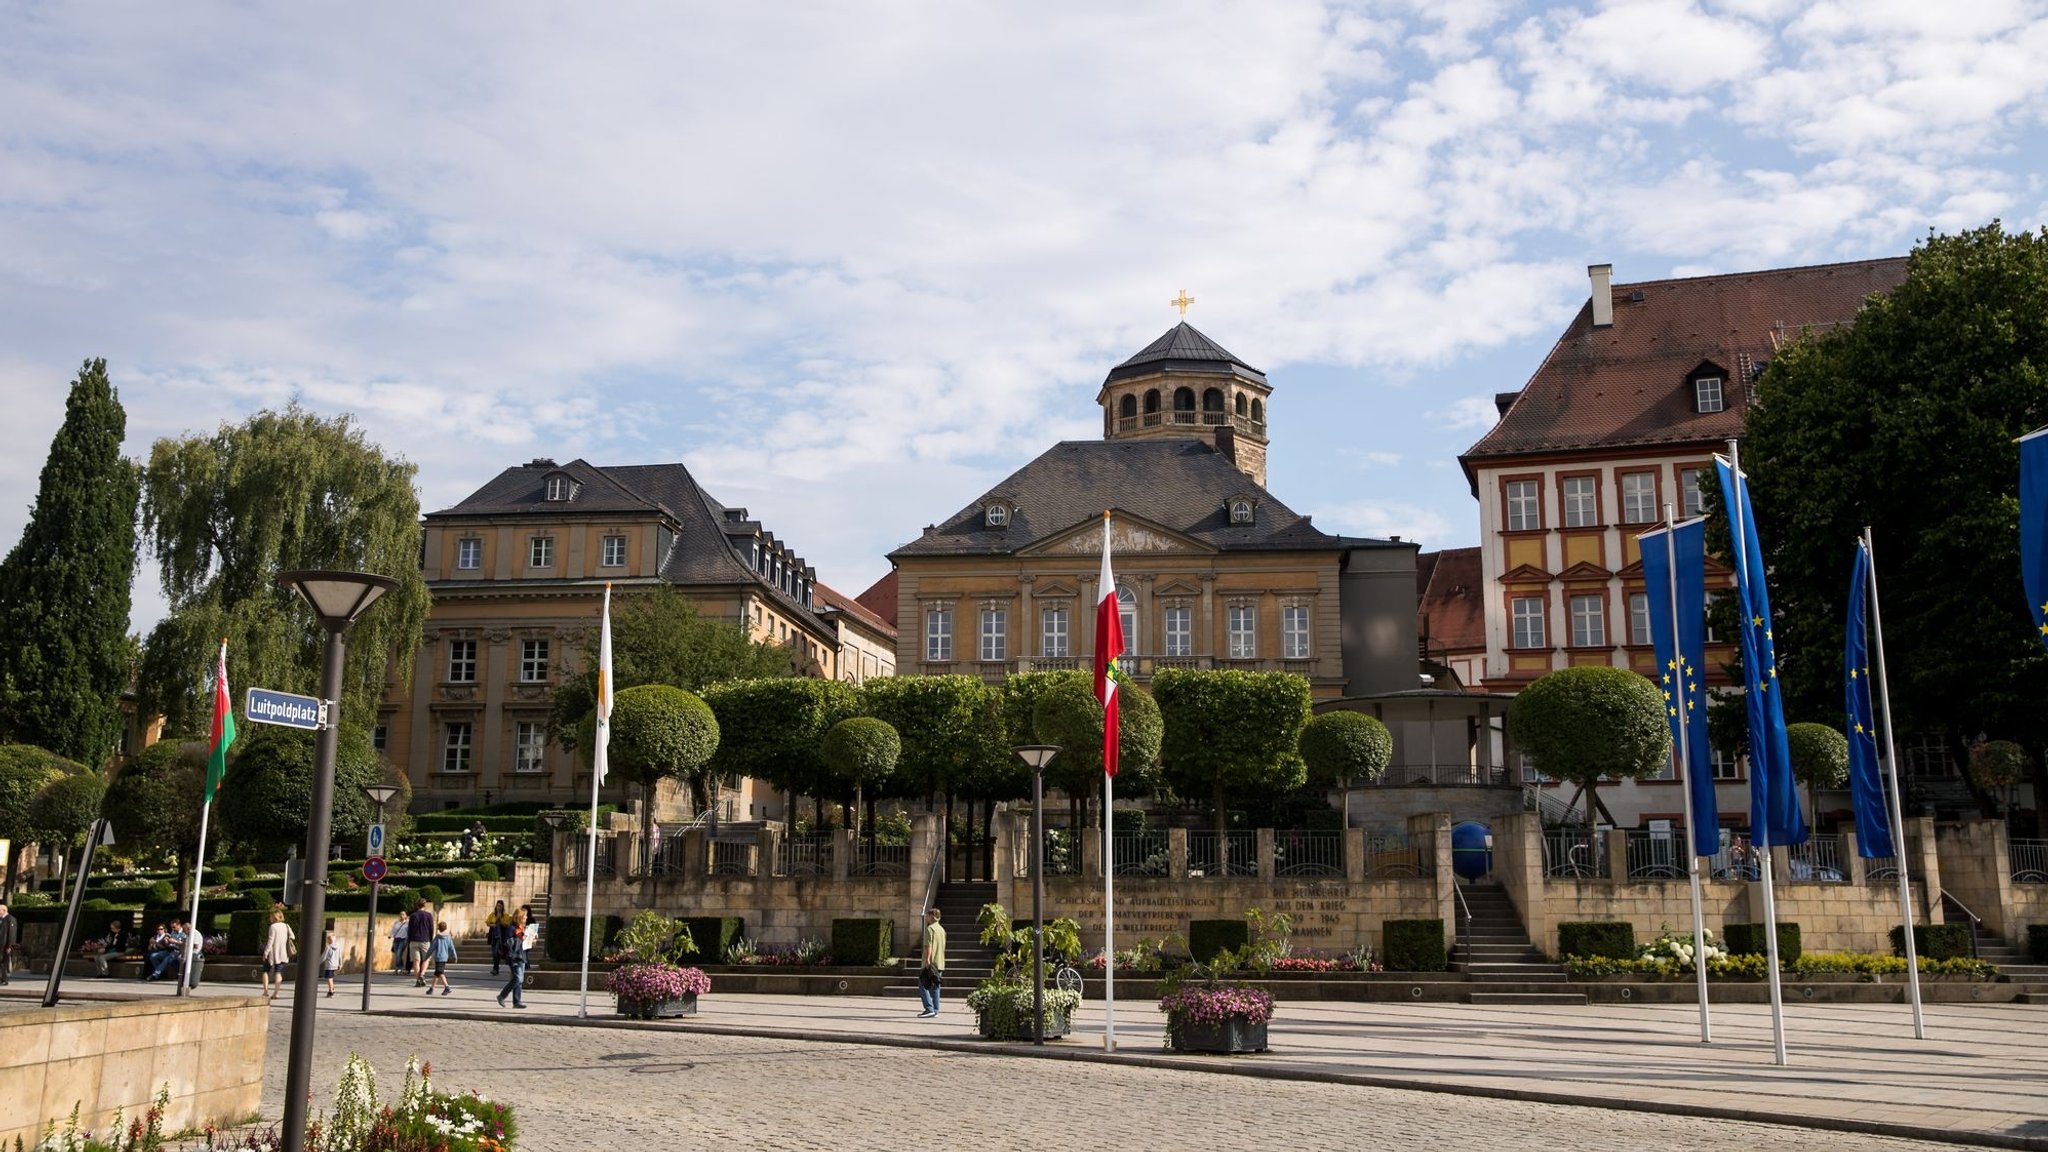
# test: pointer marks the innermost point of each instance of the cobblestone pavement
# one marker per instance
(583, 1087)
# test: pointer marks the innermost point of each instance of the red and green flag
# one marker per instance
(223, 725)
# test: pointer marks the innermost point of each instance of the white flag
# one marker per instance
(598, 757)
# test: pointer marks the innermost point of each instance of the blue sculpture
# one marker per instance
(1471, 849)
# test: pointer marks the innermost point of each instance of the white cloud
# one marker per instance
(1468, 414)
(1427, 526)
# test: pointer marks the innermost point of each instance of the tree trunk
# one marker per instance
(13, 873)
(817, 815)
(646, 831)
(988, 839)
(1222, 821)
(1592, 843)
(1346, 824)
(947, 839)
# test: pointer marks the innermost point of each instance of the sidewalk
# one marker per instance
(1980, 1078)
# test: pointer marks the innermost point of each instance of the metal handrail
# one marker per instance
(1976, 921)
(931, 881)
(1464, 927)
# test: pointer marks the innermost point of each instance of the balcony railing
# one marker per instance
(1140, 853)
(1735, 861)
(734, 857)
(1442, 776)
(1818, 861)
(1392, 856)
(1657, 855)
(1572, 853)
(879, 859)
(2030, 861)
(804, 856)
(575, 860)
(1308, 853)
(1231, 854)
(667, 858)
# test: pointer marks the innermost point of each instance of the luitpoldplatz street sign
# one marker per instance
(286, 710)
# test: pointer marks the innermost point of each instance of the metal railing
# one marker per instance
(1976, 922)
(1464, 928)
(734, 857)
(1735, 861)
(1391, 855)
(1441, 775)
(879, 859)
(1656, 855)
(1818, 861)
(667, 857)
(1552, 810)
(1234, 854)
(2030, 861)
(575, 859)
(1139, 853)
(1573, 853)
(1308, 853)
(804, 856)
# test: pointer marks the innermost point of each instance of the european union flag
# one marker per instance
(2034, 526)
(1678, 555)
(1774, 816)
(1866, 783)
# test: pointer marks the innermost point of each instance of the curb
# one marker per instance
(1243, 1066)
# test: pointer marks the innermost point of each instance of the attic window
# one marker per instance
(1707, 395)
(1240, 511)
(560, 488)
(996, 516)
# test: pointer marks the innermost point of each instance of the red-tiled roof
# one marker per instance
(829, 598)
(1451, 604)
(1627, 384)
(880, 599)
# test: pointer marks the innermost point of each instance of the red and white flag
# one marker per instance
(1109, 644)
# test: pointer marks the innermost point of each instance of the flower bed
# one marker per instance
(1003, 1011)
(1866, 967)
(1198, 1004)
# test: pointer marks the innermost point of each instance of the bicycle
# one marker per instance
(1065, 976)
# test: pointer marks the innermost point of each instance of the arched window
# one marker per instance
(999, 515)
(1258, 412)
(1127, 412)
(1240, 511)
(1241, 409)
(1183, 405)
(1151, 400)
(1212, 400)
(1127, 609)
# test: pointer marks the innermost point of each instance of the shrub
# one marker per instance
(245, 932)
(487, 872)
(711, 936)
(862, 942)
(430, 893)
(1415, 946)
(246, 872)
(1934, 941)
(565, 937)
(1208, 937)
(1611, 938)
(97, 905)
(2037, 943)
(163, 892)
(1748, 940)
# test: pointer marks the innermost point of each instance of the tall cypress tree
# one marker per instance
(64, 589)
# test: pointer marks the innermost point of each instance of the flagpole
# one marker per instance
(1892, 795)
(1108, 848)
(598, 756)
(1684, 752)
(198, 882)
(1759, 837)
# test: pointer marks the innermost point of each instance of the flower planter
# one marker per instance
(1057, 1024)
(657, 1009)
(1232, 1035)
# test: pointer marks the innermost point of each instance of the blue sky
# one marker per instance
(853, 263)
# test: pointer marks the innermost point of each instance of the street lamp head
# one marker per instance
(338, 598)
(1037, 755)
(379, 794)
(554, 820)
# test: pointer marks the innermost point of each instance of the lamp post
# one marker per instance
(1038, 756)
(378, 795)
(338, 599)
(554, 821)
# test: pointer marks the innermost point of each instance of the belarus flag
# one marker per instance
(1109, 644)
(223, 726)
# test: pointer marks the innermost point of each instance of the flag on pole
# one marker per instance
(2034, 527)
(1109, 644)
(1682, 660)
(1866, 784)
(1774, 815)
(223, 725)
(600, 755)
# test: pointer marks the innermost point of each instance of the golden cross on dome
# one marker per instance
(1181, 302)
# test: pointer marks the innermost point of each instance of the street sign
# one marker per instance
(284, 709)
(374, 870)
(376, 840)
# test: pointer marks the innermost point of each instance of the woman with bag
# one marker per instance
(496, 928)
(277, 953)
(518, 937)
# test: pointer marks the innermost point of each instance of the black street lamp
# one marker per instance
(338, 599)
(378, 795)
(1038, 756)
(554, 821)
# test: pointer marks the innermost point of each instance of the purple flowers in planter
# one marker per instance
(1213, 1005)
(657, 982)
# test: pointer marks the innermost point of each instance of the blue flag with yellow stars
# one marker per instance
(1774, 816)
(2034, 527)
(1866, 783)
(1678, 556)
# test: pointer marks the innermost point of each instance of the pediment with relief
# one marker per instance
(1176, 586)
(1054, 589)
(1127, 534)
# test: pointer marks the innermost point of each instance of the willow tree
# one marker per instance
(64, 589)
(226, 513)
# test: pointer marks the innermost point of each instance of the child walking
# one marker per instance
(330, 961)
(443, 953)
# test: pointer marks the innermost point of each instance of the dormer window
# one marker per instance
(1707, 394)
(996, 516)
(1240, 511)
(559, 488)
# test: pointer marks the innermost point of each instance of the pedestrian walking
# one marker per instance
(10, 936)
(277, 953)
(330, 961)
(521, 938)
(932, 970)
(419, 942)
(398, 941)
(496, 926)
(444, 955)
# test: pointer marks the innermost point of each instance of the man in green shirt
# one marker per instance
(934, 963)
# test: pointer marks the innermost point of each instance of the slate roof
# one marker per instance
(1625, 385)
(1451, 603)
(1178, 484)
(830, 599)
(703, 551)
(1184, 349)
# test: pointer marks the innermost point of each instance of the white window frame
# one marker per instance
(469, 553)
(1726, 767)
(1055, 631)
(534, 653)
(1588, 613)
(1708, 395)
(1690, 500)
(540, 552)
(1294, 632)
(1525, 506)
(1180, 638)
(458, 741)
(462, 662)
(1240, 511)
(1127, 616)
(995, 635)
(559, 488)
(1243, 621)
(938, 634)
(1526, 622)
(612, 552)
(1581, 501)
(529, 747)
(1638, 497)
(996, 516)
(1639, 618)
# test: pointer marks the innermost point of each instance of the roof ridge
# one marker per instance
(1869, 263)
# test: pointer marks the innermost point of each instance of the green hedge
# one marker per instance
(1934, 941)
(712, 936)
(862, 942)
(1208, 937)
(1748, 940)
(245, 932)
(1613, 939)
(1415, 946)
(2037, 943)
(565, 937)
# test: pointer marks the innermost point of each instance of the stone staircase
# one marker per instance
(2015, 968)
(1499, 952)
(968, 960)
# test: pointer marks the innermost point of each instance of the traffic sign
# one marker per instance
(376, 840)
(264, 706)
(374, 870)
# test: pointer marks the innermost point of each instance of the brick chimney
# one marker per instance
(1603, 294)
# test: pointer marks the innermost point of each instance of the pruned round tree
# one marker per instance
(1581, 724)
(1231, 733)
(659, 733)
(67, 806)
(1820, 759)
(24, 772)
(861, 751)
(1066, 713)
(1997, 765)
(266, 799)
(774, 730)
(1342, 747)
(154, 801)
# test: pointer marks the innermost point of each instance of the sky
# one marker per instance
(853, 263)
